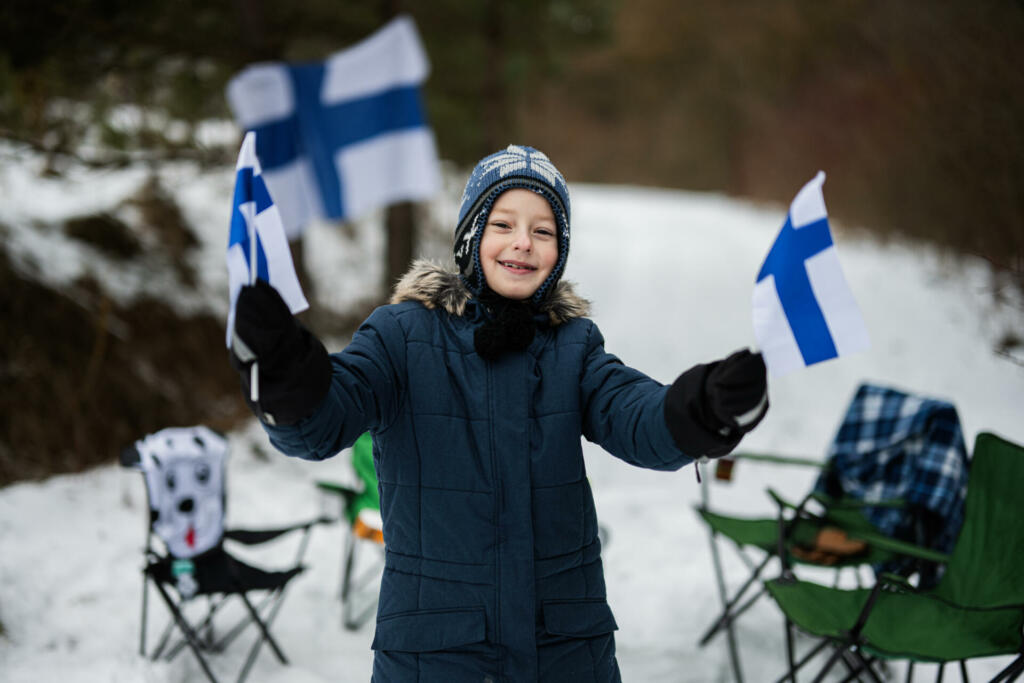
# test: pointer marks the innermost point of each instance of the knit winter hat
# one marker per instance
(513, 167)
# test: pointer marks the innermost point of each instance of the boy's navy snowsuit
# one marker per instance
(493, 565)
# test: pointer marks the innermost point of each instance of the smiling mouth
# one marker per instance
(517, 267)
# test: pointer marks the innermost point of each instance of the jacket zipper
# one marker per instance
(498, 501)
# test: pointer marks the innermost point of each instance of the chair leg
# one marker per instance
(833, 658)
(187, 631)
(275, 606)
(870, 669)
(249, 660)
(940, 673)
(734, 657)
(727, 618)
(204, 634)
(963, 672)
(853, 675)
(730, 612)
(241, 625)
(910, 671)
(207, 638)
(862, 664)
(1012, 672)
(790, 651)
(348, 561)
(142, 621)
(822, 644)
(856, 664)
(265, 633)
(1018, 671)
(205, 628)
(854, 667)
(355, 580)
(273, 599)
(346, 564)
(165, 637)
(204, 641)
(263, 627)
(841, 653)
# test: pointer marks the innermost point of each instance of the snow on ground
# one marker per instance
(670, 274)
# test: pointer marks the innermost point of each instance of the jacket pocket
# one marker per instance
(579, 618)
(430, 630)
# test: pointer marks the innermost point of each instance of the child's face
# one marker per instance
(519, 247)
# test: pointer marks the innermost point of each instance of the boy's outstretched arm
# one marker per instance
(639, 420)
(727, 398)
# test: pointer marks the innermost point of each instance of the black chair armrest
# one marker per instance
(257, 536)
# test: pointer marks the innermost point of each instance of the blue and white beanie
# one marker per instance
(513, 167)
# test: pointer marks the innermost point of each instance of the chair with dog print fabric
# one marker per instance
(186, 561)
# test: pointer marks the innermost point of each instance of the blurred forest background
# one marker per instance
(915, 109)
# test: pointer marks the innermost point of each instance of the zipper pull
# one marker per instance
(702, 460)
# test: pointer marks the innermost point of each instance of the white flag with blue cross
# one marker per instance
(804, 311)
(257, 246)
(344, 136)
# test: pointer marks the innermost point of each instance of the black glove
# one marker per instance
(736, 393)
(294, 368)
(710, 407)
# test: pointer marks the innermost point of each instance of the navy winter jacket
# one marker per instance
(493, 564)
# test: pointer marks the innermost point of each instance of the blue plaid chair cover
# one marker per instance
(893, 445)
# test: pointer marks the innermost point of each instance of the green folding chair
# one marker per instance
(795, 527)
(896, 471)
(363, 554)
(976, 610)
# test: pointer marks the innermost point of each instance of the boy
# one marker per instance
(477, 387)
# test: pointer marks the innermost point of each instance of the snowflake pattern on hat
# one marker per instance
(514, 158)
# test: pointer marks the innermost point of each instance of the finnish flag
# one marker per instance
(804, 312)
(257, 246)
(342, 137)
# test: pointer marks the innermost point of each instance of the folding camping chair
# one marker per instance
(975, 610)
(362, 561)
(185, 558)
(891, 490)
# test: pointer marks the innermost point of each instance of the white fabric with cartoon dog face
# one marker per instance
(184, 468)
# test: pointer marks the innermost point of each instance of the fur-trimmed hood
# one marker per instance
(434, 286)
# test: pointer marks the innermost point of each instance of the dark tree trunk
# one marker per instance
(401, 228)
(496, 104)
(401, 233)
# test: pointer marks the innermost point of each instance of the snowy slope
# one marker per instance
(670, 274)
